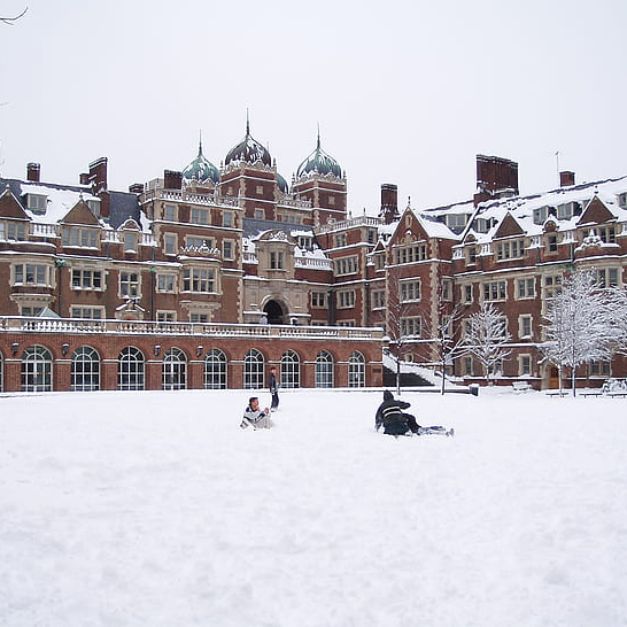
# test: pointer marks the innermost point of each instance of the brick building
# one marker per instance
(207, 275)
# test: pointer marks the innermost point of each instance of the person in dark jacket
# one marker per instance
(273, 384)
(392, 418)
(395, 421)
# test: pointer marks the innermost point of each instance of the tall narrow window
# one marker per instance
(253, 369)
(356, 370)
(324, 370)
(290, 370)
(85, 370)
(37, 370)
(174, 370)
(215, 370)
(131, 375)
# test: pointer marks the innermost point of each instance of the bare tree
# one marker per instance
(11, 20)
(488, 338)
(446, 317)
(579, 327)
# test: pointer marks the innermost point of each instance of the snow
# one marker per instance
(60, 201)
(121, 508)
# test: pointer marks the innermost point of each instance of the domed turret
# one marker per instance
(200, 169)
(319, 162)
(282, 183)
(249, 150)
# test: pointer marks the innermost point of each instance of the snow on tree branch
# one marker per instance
(11, 20)
(581, 324)
(488, 338)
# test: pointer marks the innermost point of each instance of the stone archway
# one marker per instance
(276, 312)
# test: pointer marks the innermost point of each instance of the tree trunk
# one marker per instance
(398, 376)
(573, 374)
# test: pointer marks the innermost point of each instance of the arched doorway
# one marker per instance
(276, 312)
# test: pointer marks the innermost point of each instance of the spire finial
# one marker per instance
(247, 123)
(200, 142)
(318, 144)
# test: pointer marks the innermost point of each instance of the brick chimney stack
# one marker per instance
(172, 179)
(496, 177)
(33, 171)
(136, 188)
(389, 202)
(98, 176)
(567, 178)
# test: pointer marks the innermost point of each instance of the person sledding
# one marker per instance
(255, 417)
(395, 421)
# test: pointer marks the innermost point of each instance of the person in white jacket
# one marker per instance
(255, 417)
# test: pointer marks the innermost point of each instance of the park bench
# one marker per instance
(521, 386)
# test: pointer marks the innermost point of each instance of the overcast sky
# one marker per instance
(405, 92)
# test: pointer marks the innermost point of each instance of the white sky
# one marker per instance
(405, 92)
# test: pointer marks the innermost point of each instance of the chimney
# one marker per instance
(33, 171)
(567, 178)
(136, 188)
(389, 202)
(172, 179)
(98, 176)
(495, 177)
(83, 178)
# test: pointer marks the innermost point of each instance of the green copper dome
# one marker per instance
(282, 183)
(200, 169)
(248, 150)
(319, 162)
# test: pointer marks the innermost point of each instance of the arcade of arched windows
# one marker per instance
(62, 364)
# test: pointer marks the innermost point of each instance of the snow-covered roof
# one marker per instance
(522, 208)
(59, 200)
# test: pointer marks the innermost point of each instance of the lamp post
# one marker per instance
(60, 264)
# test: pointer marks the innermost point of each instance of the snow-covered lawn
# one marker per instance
(156, 509)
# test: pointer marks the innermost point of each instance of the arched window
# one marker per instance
(174, 370)
(131, 369)
(290, 370)
(36, 370)
(215, 370)
(253, 370)
(356, 371)
(85, 370)
(324, 370)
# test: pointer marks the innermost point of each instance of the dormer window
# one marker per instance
(130, 242)
(36, 203)
(456, 221)
(622, 200)
(482, 225)
(540, 215)
(565, 211)
(304, 242)
(94, 206)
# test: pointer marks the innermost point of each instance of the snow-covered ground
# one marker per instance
(153, 508)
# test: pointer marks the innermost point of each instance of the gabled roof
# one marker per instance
(596, 213)
(10, 206)
(509, 227)
(80, 213)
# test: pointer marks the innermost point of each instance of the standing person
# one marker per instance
(273, 384)
(255, 417)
